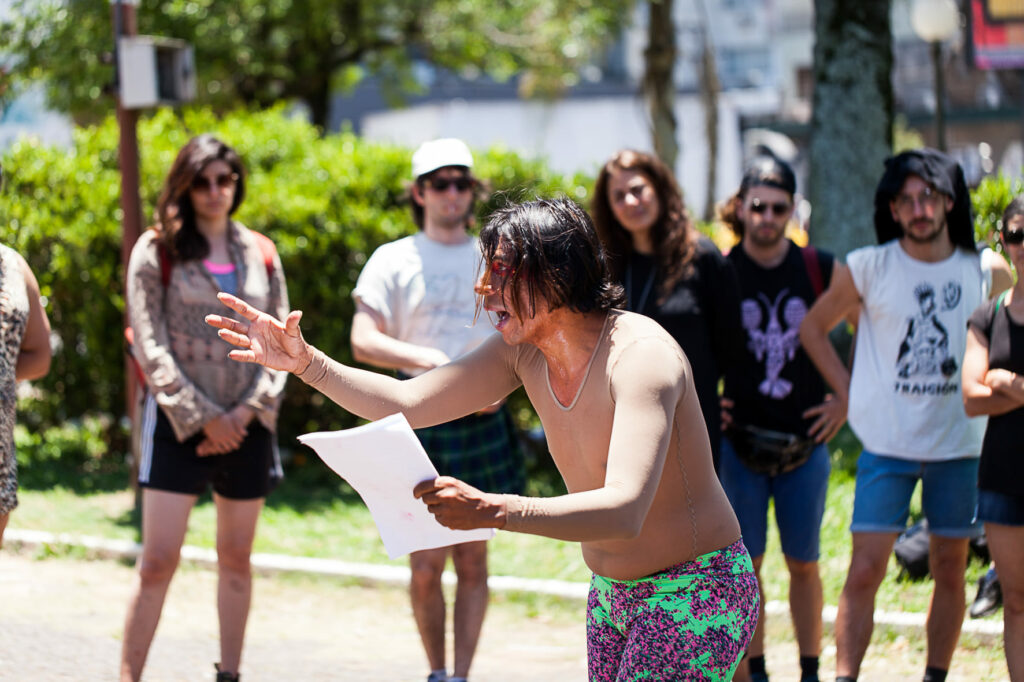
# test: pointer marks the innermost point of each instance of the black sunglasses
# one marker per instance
(778, 207)
(222, 181)
(442, 184)
(1015, 237)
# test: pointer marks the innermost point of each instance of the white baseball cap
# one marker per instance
(440, 153)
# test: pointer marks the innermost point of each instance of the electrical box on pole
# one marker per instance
(155, 71)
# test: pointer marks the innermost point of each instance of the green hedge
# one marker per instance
(326, 201)
(989, 200)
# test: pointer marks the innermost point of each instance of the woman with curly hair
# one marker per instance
(670, 271)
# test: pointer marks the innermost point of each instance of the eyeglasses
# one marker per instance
(928, 198)
(778, 207)
(442, 184)
(201, 183)
(1015, 237)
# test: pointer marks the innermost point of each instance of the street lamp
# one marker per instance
(936, 21)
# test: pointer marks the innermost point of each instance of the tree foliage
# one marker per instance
(260, 51)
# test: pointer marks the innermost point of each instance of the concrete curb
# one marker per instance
(386, 574)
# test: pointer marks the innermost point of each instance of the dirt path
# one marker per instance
(61, 619)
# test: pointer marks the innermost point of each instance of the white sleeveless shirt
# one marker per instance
(905, 394)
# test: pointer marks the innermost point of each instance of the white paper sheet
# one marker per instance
(383, 461)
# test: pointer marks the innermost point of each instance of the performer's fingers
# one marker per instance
(242, 355)
(238, 305)
(234, 338)
(291, 323)
(424, 487)
(221, 322)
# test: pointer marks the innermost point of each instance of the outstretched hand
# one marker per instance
(460, 506)
(263, 338)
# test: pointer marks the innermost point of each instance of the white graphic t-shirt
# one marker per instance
(905, 398)
(424, 291)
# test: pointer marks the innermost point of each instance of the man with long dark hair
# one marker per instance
(414, 311)
(907, 412)
(673, 595)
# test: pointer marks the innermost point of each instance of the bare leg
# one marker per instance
(756, 646)
(164, 521)
(236, 529)
(471, 596)
(3, 526)
(855, 619)
(805, 603)
(428, 606)
(947, 560)
(1007, 546)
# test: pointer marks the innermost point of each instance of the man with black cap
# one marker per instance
(777, 414)
(916, 290)
(415, 309)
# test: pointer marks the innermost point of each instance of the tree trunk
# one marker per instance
(319, 103)
(851, 128)
(709, 89)
(659, 86)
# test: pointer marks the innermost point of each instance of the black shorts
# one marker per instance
(248, 473)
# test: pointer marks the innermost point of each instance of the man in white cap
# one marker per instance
(415, 309)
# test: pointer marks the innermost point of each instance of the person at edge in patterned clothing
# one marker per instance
(914, 292)
(776, 414)
(414, 311)
(670, 271)
(673, 595)
(24, 354)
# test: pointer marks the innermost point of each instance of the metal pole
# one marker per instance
(124, 21)
(940, 96)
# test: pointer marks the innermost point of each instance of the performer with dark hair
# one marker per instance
(673, 595)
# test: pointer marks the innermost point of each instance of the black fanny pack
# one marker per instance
(769, 452)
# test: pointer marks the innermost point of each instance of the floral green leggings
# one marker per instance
(691, 621)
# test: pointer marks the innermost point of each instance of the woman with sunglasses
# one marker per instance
(993, 385)
(205, 422)
(670, 271)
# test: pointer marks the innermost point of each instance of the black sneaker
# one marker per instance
(225, 676)
(990, 595)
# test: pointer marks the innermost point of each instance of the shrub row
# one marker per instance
(327, 202)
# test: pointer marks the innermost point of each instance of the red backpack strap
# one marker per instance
(165, 264)
(813, 266)
(268, 250)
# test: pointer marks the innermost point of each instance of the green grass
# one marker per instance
(317, 515)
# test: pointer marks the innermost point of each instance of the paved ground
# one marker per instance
(61, 619)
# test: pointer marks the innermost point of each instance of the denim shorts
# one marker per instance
(799, 502)
(949, 495)
(1006, 510)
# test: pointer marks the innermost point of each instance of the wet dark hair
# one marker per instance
(944, 174)
(552, 247)
(480, 191)
(764, 171)
(1012, 210)
(176, 218)
(673, 236)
